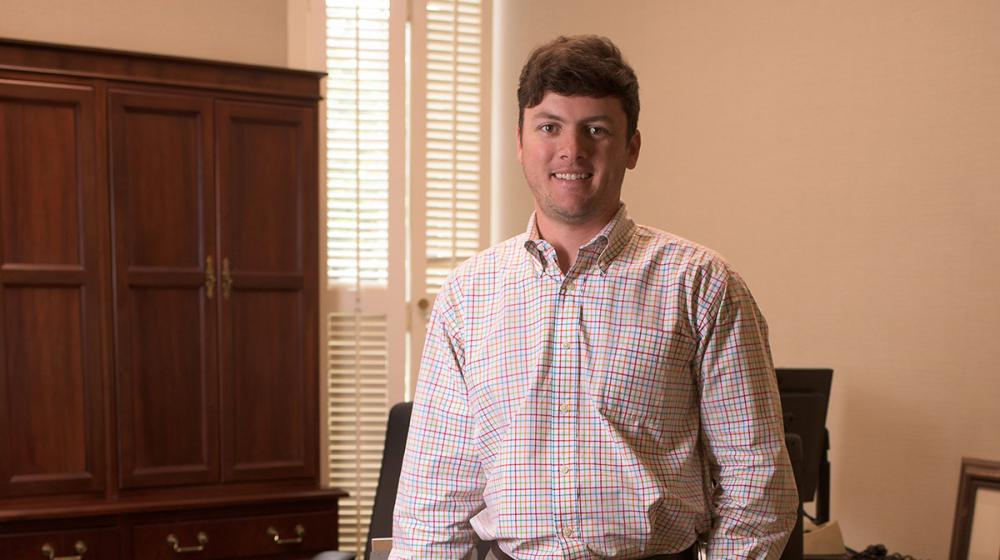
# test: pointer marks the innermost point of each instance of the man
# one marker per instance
(592, 388)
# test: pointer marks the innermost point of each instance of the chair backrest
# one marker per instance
(388, 477)
(794, 548)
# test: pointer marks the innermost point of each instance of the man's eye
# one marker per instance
(597, 130)
(547, 128)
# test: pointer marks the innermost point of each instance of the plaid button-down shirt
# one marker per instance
(586, 415)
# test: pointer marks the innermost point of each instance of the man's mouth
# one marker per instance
(572, 176)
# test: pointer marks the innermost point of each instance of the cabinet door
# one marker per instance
(166, 278)
(268, 222)
(51, 263)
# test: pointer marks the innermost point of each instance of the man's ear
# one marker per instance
(633, 150)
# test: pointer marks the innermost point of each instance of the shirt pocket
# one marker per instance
(644, 377)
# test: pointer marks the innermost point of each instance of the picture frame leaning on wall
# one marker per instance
(976, 532)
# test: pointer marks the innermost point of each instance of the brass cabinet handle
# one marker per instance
(227, 279)
(300, 535)
(209, 277)
(49, 551)
(176, 545)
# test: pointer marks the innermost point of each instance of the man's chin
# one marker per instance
(571, 215)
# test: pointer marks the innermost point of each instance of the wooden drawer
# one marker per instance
(97, 544)
(238, 538)
(154, 542)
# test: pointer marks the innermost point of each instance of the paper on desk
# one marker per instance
(824, 540)
(381, 547)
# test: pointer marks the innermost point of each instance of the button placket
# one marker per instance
(566, 386)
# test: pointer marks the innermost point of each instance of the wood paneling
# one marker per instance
(46, 383)
(263, 185)
(268, 237)
(42, 187)
(266, 381)
(51, 437)
(161, 147)
(169, 207)
(164, 218)
(156, 69)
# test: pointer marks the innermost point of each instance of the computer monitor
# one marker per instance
(805, 397)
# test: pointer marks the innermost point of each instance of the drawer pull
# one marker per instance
(176, 545)
(209, 277)
(227, 279)
(300, 535)
(49, 551)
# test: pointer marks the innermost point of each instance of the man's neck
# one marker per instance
(568, 238)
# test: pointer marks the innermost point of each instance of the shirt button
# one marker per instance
(569, 286)
(564, 408)
(567, 345)
(567, 532)
(564, 469)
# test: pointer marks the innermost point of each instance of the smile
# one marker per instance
(572, 176)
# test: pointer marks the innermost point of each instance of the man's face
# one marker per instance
(574, 153)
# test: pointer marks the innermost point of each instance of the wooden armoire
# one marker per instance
(159, 373)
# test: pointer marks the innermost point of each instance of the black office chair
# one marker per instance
(794, 548)
(388, 484)
(388, 481)
(392, 462)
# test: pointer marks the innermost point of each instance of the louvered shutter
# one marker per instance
(357, 100)
(364, 304)
(451, 68)
(358, 393)
(374, 255)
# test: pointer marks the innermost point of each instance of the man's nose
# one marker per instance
(574, 146)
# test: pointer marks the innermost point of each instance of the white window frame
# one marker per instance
(384, 324)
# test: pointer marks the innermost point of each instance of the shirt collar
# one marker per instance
(609, 242)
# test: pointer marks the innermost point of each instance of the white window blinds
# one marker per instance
(358, 389)
(357, 209)
(454, 74)
(358, 335)
(450, 160)
(405, 203)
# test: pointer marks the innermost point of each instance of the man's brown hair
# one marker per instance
(584, 65)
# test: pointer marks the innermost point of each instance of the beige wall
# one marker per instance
(248, 31)
(845, 156)
(306, 31)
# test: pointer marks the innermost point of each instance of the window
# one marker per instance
(407, 176)
(357, 142)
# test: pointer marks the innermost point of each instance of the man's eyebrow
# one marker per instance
(547, 117)
(554, 117)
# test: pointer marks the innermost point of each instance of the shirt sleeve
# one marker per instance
(441, 484)
(754, 498)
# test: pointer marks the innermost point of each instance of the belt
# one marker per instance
(496, 553)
